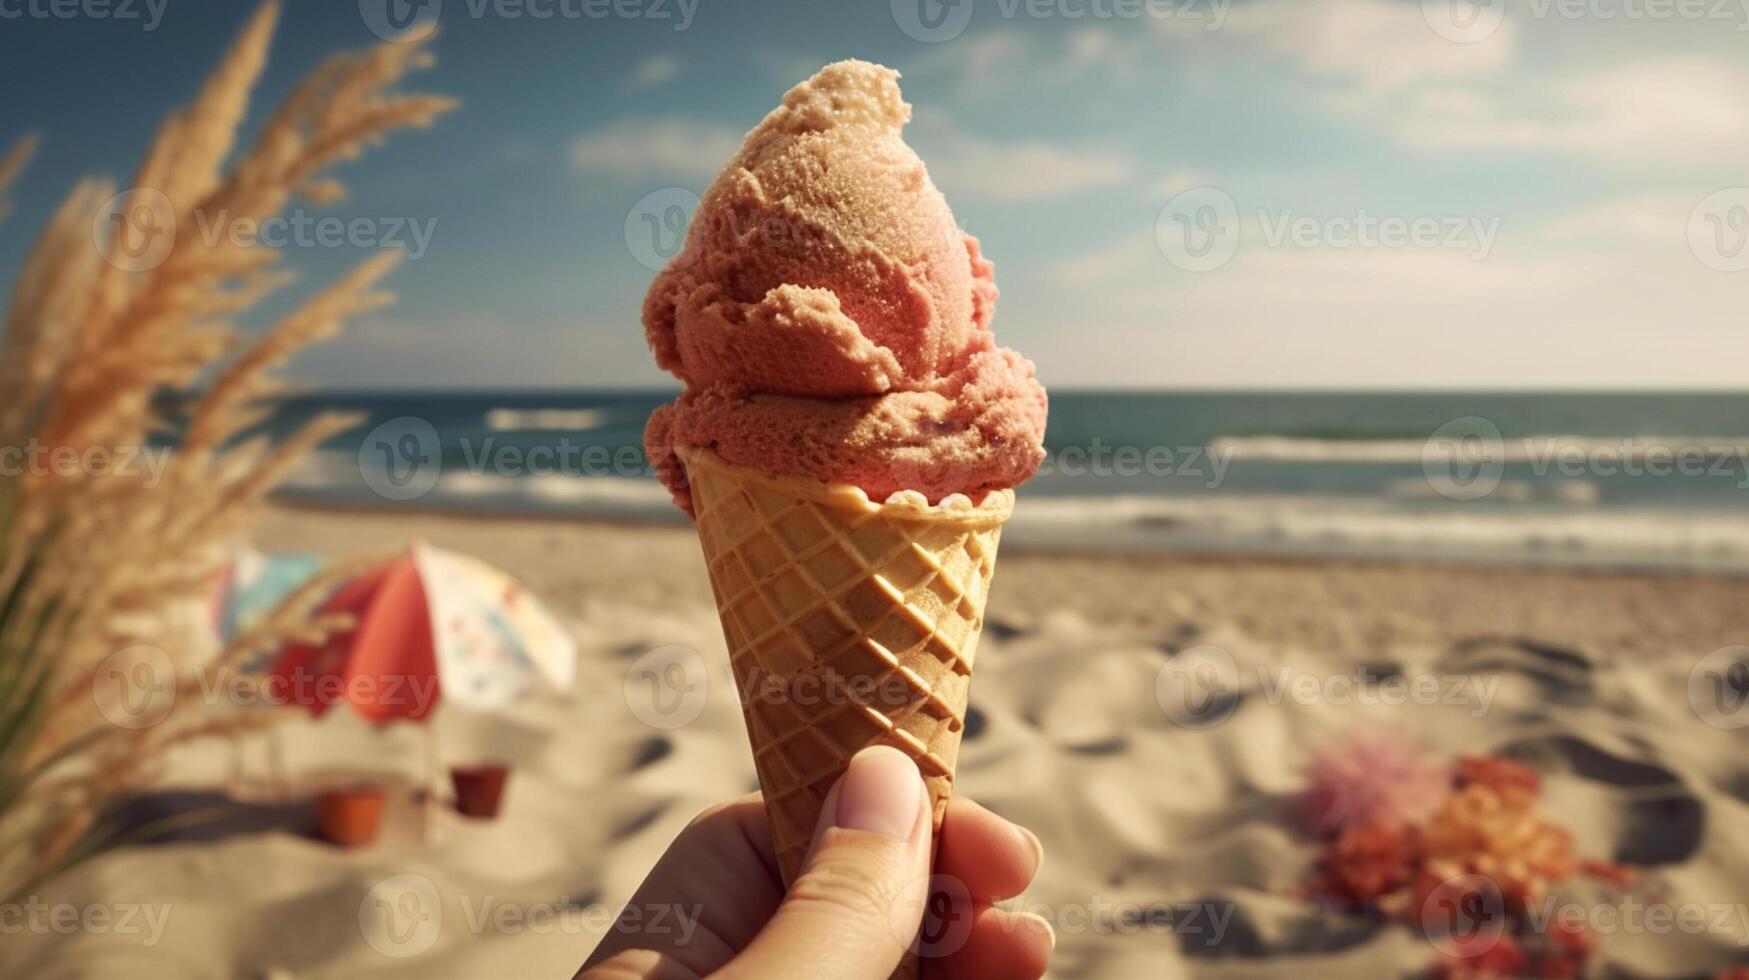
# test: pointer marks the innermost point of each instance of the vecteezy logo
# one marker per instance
(401, 915)
(401, 459)
(1718, 230)
(1464, 458)
(932, 21)
(1464, 916)
(1198, 687)
(1198, 230)
(1718, 688)
(667, 687)
(135, 687)
(933, 915)
(135, 230)
(400, 20)
(656, 225)
(1464, 21)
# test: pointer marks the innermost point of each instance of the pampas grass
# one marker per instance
(13, 164)
(99, 561)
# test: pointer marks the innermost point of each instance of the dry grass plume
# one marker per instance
(96, 559)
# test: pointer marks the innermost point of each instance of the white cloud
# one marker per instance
(967, 166)
(654, 70)
(992, 63)
(1604, 295)
(1671, 110)
(783, 67)
(1089, 48)
(1130, 274)
(482, 349)
(1651, 220)
(1111, 54)
(982, 64)
(1011, 171)
(1135, 254)
(659, 147)
(1179, 181)
(1392, 71)
(1377, 44)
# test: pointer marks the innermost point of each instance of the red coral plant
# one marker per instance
(1468, 863)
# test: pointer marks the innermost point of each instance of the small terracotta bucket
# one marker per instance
(479, 788)
(350, 816)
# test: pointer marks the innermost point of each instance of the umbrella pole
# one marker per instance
(234, 774)
(431, 781)
(276, 762)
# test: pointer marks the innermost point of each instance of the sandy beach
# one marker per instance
(1171, 851)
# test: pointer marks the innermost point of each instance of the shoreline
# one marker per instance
(1245, 553)
(1305, 600)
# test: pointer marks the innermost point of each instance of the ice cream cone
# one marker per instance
(849, 623)
(857, 358)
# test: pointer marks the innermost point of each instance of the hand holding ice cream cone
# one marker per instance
(847, 441)
(864, 892)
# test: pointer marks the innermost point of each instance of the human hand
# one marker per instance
(859, 899)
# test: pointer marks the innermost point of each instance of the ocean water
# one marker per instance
(1641, 480)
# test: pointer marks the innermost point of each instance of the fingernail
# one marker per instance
(1038, 848)
(1050, 931)
(882, 791)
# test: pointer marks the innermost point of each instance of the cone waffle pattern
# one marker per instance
(849, 624)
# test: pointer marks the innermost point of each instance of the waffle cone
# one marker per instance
(849, 623)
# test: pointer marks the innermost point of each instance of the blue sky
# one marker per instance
(1584, 170)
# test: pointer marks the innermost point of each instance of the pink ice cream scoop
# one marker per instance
(829, 318)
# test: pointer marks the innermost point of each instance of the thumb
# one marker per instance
(858, 902)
